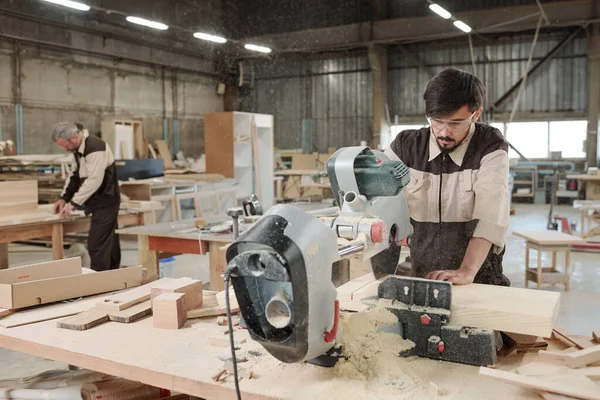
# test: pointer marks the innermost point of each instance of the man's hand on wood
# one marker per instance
(456, 277)
(58, 206)
(67, 210)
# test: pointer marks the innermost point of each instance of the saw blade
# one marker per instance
(386, 262)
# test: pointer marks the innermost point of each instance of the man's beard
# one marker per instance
(450, 143)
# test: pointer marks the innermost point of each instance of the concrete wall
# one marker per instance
(76, 75)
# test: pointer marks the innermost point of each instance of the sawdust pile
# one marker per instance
(373, 368)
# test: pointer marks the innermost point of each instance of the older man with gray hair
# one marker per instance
(93, 187)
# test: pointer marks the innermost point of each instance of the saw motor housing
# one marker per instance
(280, 268)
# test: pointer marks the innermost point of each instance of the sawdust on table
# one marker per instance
(374, 370)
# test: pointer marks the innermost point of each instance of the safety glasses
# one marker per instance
(451, 125)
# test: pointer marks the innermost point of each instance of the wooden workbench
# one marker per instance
(46, 224)
(181, 237)
(186, 359)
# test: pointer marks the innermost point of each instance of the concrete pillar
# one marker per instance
(593, 89)
(379, 66)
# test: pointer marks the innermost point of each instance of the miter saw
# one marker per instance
(280, 268)
(281, 272)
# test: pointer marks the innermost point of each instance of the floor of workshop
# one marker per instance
(578, 310)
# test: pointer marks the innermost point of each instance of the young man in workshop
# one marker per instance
(93, 187)
(458, 194)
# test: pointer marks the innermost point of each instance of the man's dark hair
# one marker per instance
(450, 90)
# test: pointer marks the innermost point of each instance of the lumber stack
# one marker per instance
(507, 309)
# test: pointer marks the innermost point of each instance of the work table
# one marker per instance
(185, 360)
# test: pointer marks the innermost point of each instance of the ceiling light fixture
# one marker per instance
(210, 38)
(71, 4)
(260, 49)
(148, 23)
(439, 10)
(462, 26)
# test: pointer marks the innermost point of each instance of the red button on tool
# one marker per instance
(441, 347)
(425, 319)
(378, 232)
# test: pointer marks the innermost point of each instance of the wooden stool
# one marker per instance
(547, 275)
(550, 241)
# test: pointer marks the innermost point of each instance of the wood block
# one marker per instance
(169, 311)
(84, 320)
(596, 336)
(583, 357)
(165, 153)
(544, 385)
(190, 288)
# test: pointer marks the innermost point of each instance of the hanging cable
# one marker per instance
(226, 278)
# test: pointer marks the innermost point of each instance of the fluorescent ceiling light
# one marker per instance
(148, 23)
(439, 10)
(71, 4)
(210, 38)
(462, 26)
(260, 49)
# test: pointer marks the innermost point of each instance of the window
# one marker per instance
(568, 137)
(386, 140)
(530, 138)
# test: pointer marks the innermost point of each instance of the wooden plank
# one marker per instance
(85, 320)
(563, 336)
(218, 144)
(45, 270)
(58, 250)
(142, 191)
(18, 197)
(545, 385)
(549, 238)
(583, 357)
(165, 153)
(508, 309)
(121, 301)
(190, 288)
(168, 310)
(538, 368)
(54, 289)
(526, 311)
(131, 314)
(48, 312)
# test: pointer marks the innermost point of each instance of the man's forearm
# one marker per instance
(477, 251)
